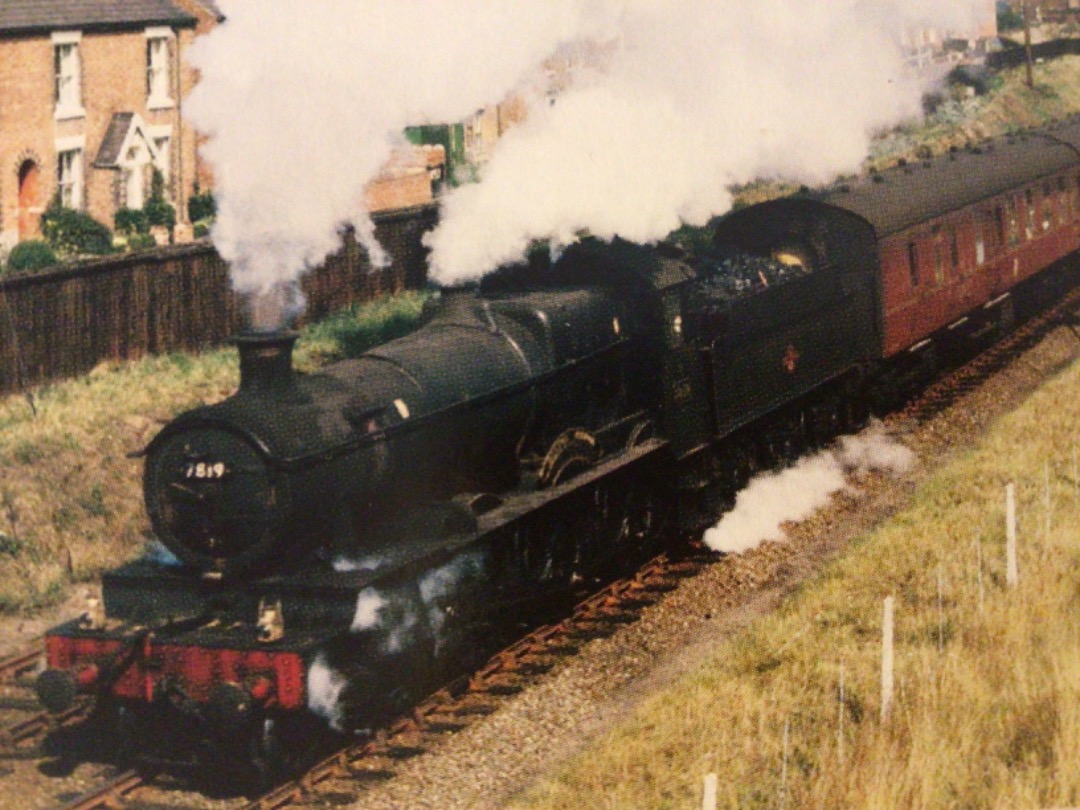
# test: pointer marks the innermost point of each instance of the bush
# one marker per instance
(201, 206)
(73, 233)
(157, 209)
(141, 241)
(159, 212)
(1007, 19)
(131, 221)
(32, 255)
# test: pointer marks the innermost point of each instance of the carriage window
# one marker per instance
(999, 219)
(954, 248)
(1014, 222)
(1063, 202)
(983, 231)
(913, 263)
(1047, 207)
(939, 254)
(1029, 222)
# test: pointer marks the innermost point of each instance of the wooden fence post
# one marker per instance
(708, 800)
(840, 720)
(887, 660)
(1012, 575)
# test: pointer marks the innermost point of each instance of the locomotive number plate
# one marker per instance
(205, 470)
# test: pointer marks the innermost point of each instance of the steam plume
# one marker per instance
(699, 95)
(774, 498)
(303, 103)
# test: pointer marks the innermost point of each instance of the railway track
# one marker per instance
(455, 706)
(348, 772)
(21, 663)
(507, 673)
(24, 736)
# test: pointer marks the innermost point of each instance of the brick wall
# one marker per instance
(26, 126)
(113, 80)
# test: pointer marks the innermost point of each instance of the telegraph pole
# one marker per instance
(1027, 44)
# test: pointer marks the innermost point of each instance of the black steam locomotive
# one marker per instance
(341, 543)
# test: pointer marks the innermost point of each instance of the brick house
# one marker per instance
(983, 26)
(91, 106)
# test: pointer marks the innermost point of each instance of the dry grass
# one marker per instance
(987, 712)
(70, 496)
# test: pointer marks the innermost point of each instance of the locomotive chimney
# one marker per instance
(266, 361)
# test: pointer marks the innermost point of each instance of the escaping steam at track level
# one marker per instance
(303, 103)
(773, 498)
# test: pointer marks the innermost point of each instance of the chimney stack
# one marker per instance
(266, 361)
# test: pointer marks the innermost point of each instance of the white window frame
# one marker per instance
(163, 158)
(68, 79)
(159, 76)
(70, 162)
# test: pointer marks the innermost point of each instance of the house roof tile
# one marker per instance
(22, 17)
(109, 153)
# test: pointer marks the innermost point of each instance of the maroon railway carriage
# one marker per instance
(958, 233)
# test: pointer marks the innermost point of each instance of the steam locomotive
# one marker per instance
(341, 543)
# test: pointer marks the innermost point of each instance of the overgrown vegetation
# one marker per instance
(159, 212)
(133, 224)
(201, 206)
(1008, 19)
(353, 331)
(34, 254)
(131, 221)
(987, 708)
(73, 233)
(70, 497)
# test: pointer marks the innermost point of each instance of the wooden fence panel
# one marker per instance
(65, 321)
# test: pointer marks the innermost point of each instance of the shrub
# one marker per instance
(32, 255)
(131, 221)
(157, 209)
(141, 241)
(73, 233)
(201, 206)
(159, 212)
(1007, 19)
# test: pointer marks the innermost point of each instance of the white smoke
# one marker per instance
(349, 565)
(303, 103)
(775, 498)
(368, 605)
(440, 585)
(698, 96)
(324, 687)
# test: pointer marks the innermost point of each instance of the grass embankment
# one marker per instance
(987, 709)
(71, 498)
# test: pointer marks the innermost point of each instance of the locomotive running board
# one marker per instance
(517, 505)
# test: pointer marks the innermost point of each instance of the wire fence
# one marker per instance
(65, 321)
